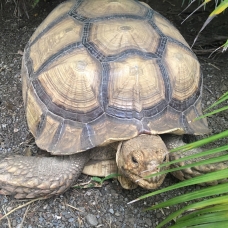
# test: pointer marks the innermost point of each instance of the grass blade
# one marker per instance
(219, 207)
(198, 155)
(195, 206)
(220, 8)
(209, 191)
(202, 142)
(110, 176)
(211, 225)
(212, 113)
(212, 217)
(217, 175)
(203, 162)
(221, 99)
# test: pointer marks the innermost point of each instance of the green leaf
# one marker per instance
(203, 162)
(209, 191)
(35, 2)
(212, 113)
(224, 97)
(204, 3)
(97, 179)
(101, 180)
(198, 155)
(202, 142)
(110, 176)
(212, 217)
(220, 8)
(211, 225)
(218, 175)
(225, 46)
(220, 207)
(195, 206)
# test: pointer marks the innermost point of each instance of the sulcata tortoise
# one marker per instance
(104, 78)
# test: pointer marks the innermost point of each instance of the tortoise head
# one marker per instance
(139, 157)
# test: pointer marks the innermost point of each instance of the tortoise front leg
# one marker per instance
(32, 177)
(174, 141)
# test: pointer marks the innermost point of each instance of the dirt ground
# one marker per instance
(106, 206)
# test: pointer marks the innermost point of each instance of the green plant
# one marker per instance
(210, 212)
(221, 7)
(35, 2)
(96, 181)
(101, 180)
(209, 191)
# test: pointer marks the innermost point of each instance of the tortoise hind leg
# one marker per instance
(32, 177)
(173, 141)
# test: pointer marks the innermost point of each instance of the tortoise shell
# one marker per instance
(99, 71)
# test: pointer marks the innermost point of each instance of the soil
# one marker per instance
(106, 206)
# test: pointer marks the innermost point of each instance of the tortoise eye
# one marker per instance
(134, 160)
(164, 159)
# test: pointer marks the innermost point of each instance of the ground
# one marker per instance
(106, 206)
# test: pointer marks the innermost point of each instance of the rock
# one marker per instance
(71, 220)
(111, 211)
(224, 88)
(92, 220)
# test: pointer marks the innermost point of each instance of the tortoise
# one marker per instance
(104, 78)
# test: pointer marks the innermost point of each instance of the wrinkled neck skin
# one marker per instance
(139, 157)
